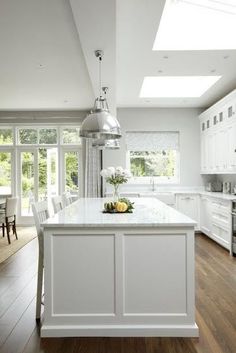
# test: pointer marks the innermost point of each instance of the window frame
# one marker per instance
(16, 148)
(63, 127)
(7, 127)
(37, 128)
(144, 180)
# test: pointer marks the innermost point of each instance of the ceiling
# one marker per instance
(48, 62)
(137, 24)
(42, 64)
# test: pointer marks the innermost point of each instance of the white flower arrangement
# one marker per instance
(115, 176)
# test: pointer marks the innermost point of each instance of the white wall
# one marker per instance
(164, 119)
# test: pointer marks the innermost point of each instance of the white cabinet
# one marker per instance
(218, 137)
(215, 220)
(188, 204)
(205, 215)
(232, 147)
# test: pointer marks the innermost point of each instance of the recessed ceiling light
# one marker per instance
(176, 86)
(41, 66)
(197, 25)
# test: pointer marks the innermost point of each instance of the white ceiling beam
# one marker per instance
(96, 25)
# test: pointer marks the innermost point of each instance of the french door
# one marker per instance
(6, 171)
(38, 178)
(72, 171)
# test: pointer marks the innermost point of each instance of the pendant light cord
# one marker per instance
(100, 76)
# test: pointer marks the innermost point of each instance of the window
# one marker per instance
(38, 162)
(72, 171)
(27, 136)
(48, 136)
(5, 172)
(6, 136)
(33, 136)
(153, 154)
(70, 136)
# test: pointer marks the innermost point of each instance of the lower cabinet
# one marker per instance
(188, 204)
(215, 220)
(205, 215)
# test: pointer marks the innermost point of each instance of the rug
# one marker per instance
(25, 235)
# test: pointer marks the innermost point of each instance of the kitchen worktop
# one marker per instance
(164, 192)
(87, 212)
(219, 195)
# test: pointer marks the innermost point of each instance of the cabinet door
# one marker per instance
(230, 111)
(212, 152)
(222, 149)
(203, 154)
(232, 148)
(205, 215)
(188, 205)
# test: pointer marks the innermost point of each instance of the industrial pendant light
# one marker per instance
(100, 124)
(106, 144)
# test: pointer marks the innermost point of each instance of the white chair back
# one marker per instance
(57, 203)
(11, 204)
(67, 199)
(40, 212)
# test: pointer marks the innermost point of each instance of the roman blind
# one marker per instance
(152, 141)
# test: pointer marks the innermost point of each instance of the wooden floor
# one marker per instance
(215, 310)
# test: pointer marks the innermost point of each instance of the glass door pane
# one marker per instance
(71, 162)
(27, 182)
(5, 173)
(48, 173)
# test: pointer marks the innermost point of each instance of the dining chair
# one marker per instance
(57, 203)
(41, 213)
(8, 217)
(67, 199)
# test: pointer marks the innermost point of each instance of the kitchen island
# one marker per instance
(119, 274)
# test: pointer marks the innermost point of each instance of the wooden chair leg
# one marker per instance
(8, 231)
(40, 280)
(3, 229)
(14, 227)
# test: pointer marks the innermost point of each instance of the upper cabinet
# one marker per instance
(218, 137)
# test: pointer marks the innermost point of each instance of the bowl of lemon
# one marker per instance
(123, 205)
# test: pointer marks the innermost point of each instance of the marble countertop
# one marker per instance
(148, 212)
(218, 195)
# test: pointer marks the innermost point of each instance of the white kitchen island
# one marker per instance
(119, 274)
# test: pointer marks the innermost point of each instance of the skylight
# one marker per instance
(197, 25)
(176, 86)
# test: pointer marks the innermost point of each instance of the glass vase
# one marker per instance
(116, 195)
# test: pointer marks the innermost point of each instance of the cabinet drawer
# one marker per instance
(222, 236)
(222, 219)
(221, 206)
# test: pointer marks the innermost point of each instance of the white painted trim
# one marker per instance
(120, 331)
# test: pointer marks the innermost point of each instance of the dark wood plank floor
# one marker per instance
(215, 310)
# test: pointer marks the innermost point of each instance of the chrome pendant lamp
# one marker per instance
(106, 144)
(100, 124)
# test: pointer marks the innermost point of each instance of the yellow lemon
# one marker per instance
(121, 207)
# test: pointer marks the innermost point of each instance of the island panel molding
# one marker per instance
(119, 280)
(142, 254)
